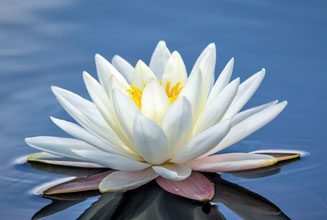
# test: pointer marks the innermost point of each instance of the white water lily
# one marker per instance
(149, 121)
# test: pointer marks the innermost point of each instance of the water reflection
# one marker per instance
(151, 202)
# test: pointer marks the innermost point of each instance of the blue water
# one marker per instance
(45, 42)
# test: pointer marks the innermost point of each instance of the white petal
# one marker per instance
(126, 111)
(123, 67)
(280, 151)
(112, 161)
(250, 125)
(222, 81)
(58, 146)
(247, 113)
(177, 124)
(212, 114)
(245, 92)
(173, 171)
(86, 114)
(142, 74)
(122, 180)
(202, 143)
(80, 133)
(150, 140)
(231, 162)
(192, 91)
(154, 102)
(105, 71)
(175, 70)
(159, 59)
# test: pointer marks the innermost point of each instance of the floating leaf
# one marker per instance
(78, 184)
(282, 155)
(196, 187)
(47, 158)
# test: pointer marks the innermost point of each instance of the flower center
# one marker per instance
(171, 91)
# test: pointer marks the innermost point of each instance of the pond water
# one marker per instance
(45, 42)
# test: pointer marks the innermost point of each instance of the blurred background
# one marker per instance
(45, 42)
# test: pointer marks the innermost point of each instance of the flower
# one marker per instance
(156, 121)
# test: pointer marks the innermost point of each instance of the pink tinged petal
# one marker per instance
(46, 158)
(231, 162)
(239, 117)
(173, 171)
(222, 81)
(112, 161)
(177, 124)
(213, 113)
(245, 92)
(195, 187)
(150, 140)
(159, 59)
(123, 181)
(202, 143)
(78, 185)
(58, 146)
(105, 71)
(142, 74)
(281, 154)
(123, 67)
(249, 126)
(155, 102)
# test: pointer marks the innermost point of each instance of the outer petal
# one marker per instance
(113, 161)
(154, 102)
(231, 162)
(123, 67)
(175, 70)
(245, 92)
(177, 124)
(212, 114)
(202, 143)
(222, 81)
(159, 59)
(122, 181)
(58, 146)
(105, 71)
(142, 74)
(249, 125)
(173, 171)
(150, 140)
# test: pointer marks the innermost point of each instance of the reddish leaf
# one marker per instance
(196, 187)
(78, 184)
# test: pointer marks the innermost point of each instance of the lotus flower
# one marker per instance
(156, 122)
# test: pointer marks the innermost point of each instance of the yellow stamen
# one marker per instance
(172, 92)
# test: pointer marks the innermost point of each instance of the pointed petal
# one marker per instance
(249, 126)
(159, 59)
(46, 158)
(175, 70)
(112, 161)
(177, 124)
(281, 154)
(173, 171)
(142, 74)
(231, 162)
(150, 140)
(105, 71)
(122, 180)
(58, 146)
(123, 67)
(247, 113)
(202, 143)
(212, 114)
(78, 185)
(222, 81)
(196, 187)
(154, 102)
(245, 92)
